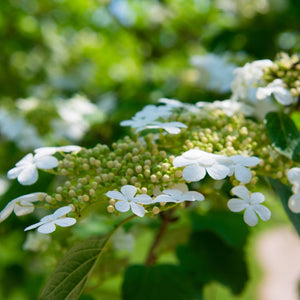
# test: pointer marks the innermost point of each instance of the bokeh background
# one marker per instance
(70, 71)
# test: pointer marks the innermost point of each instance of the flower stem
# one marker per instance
(166, 219)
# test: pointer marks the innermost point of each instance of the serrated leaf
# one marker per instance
(73, 270)
(284, 135)
(158, 282)
(284, 192)
(207, 258)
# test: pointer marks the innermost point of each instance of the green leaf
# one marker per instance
(158, 282)
(73, 270)
(284, 192)
(224, 224)
(284, 135)
(207, 258)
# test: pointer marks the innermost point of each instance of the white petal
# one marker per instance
(174, 193)
(45, 162)
(237, 205)
(242, 174)
(26, 160)
(128, 191)
(193, 173)
(294, 175)
(181, 161)
(47, 228)
(245, 160)
(65, 222)
(137, 209)
(34, 226)
(143, 199)
(115, 195)
(69, 148)
(294, 203)
(164, 198)
(21, 210)
(7, 210)
(250, 216)
(241, 191)
(61, 212)
(263, 212)
(284, 96)
(218, 171)
(42, 151)
(28, 176)
(15, 172)
(257, 198)
(192, 196)
(33, 197)
(122, 206)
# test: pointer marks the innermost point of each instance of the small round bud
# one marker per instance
(155, 210)
(110, 208)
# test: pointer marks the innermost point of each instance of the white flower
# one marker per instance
(127, 200)
(21, 205)
(52, 150)
(178, 194)
(247, 80)
(170, 127)
(47, 224)
(198, 162)
(147, 116)
(26, 168)
(294, 178)
(251, 204)
(280, 93)
(229, 106)
(238, 167)
(217, 72)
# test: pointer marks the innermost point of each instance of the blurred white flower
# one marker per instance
(21, 205)
(198, 162)
(127, 200)
(251, 204)
(36, 241)
(122, 240)
(26, 169)
(179, 193)
(52, 150)
(294, 178)
(47, 224)
(217, 72)
(280, 93)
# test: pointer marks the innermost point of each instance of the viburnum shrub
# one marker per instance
(178, 156)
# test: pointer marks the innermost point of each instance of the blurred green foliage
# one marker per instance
(132, 51)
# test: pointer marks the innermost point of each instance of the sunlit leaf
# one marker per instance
(73, 270)
(284, 135)
(284, 192)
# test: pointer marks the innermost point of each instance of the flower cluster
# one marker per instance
(152, 172)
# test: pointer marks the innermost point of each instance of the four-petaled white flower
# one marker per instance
(178, 194)
(198, 162)
(26, 168)
(47, 224)
(127, 200)
(280, 93)
(21, 205)
(251, 204)
(294, 178)
(238, 167)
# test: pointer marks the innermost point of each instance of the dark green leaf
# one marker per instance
(231, 227)
(284, 134)
(284, 192)
(73, 270)
(158, 282)
(207, 258)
